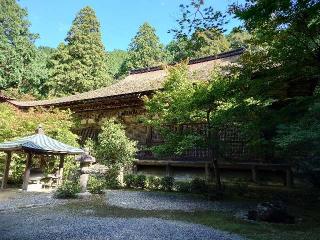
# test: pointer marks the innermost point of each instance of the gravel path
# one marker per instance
(19, 200)
(163, 201)
(41, 224)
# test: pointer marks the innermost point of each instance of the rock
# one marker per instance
(275, 212)
(84, 195)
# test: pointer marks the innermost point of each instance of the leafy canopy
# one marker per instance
(145, 49)
(80, 64)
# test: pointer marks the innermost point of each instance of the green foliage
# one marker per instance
(145, 50)
(115, 149)
(15, 124)
(115, 59)
(135, 181)
(129, 180)
(184, 187)
(238, 38)
(80, 65)
(154, 183)
(167, 183)
(198, 185)
(23, 66)
(201, 43)
(96, 185)
(67, 190)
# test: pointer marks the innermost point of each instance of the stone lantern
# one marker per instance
(85, 162)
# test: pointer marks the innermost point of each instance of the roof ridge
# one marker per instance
(230, 53)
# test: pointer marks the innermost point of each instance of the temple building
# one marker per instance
(123, 100)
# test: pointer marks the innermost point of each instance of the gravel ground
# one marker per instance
(44, 223)
(19, 200)
(163, 201)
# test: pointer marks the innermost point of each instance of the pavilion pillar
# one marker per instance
(27, 172)
(6, 171)
(61, 165)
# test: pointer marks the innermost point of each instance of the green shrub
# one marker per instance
(241, 188)
(96, 185)
(114, 148)
(111, 179)
(129, 180)
(198, 185)
(154, 183)
(140, 181)
(167, 183)
(67, 190)
(182, 186)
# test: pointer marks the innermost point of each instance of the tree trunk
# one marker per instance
(214, 160)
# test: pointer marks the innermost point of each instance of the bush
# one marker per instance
(135, 181)
(67, 190)
(167, 183)
(182, 187)
(140, 181)
(241, 188)
(198, 185)
(114, 148)
(96, 185)
(154, 183)
(129, 180)
(111, 179)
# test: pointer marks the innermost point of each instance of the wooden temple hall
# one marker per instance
(123, 100)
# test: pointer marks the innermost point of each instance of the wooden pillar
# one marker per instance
(208, 173)
(289, 178)
(27, 172)
(254, 174)
(168, 171)
(135, 168)
(6, 171)
(61, 164)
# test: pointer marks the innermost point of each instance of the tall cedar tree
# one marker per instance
(145, 49)
(80, 64)
(17, 50)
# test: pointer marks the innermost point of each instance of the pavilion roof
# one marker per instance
(140, 81)
(39, 143)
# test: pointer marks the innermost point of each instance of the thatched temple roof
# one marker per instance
(138, 81)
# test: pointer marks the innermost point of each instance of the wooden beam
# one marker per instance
(27, 172)
(61, 164)
(6, 171)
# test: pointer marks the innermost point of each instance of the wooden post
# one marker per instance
(61, 164)
(6, 171)
(254, 174)
(135, 168)
(208, 172)
(168, 171)
(27, 172)
(289, 178)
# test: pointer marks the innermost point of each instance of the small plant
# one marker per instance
(182, 187)
(167, 183)
(68, 189)
(140, 181)
(129, 180)
(111, 179)
(199, 185)
(241, 188)
(96, 185)
(154, 183)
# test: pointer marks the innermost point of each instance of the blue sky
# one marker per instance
(119, 20)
